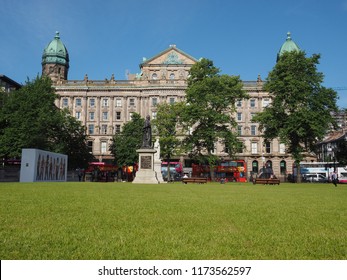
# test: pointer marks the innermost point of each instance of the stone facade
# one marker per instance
(7, 84)
(105, 106)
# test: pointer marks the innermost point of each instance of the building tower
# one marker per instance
(288, 46)
(55, 60)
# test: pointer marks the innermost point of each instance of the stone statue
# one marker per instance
(147, 134)
(157, 148)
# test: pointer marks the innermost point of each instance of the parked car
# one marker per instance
(311, 178)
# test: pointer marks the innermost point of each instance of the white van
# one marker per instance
(314, 178)
(342, 174)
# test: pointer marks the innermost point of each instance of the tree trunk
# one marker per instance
(212, 165)
(212, 173)
(298, 173)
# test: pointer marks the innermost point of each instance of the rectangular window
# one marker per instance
(91, 102)
(154, 101)
(90, 146)
(239, 130)
(252, 103)
(118, 102)
(118, 116)
(104, 129)
(117, 128)
(78, 102)
(132, 102)
(104, 116)
(239, 103)
(267, 147)
(226, 149)
(154, 115)
(254, 148)
(91, 116)
(103, 147)
(239, 116)
(91, 129)
(105, 102)
(172, 100)
(253, 130)
(239, 148)
(266, 102)
(65, 102)
(282, 148)
(78, 115)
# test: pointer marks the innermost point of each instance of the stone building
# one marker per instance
(333, 146)
(7, 84)
(103, 106)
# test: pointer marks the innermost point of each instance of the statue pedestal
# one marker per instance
(157, 169)
(146, 173)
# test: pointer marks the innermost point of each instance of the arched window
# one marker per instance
(154, 76)
(283, 167)
(255, 166)
(172, 76)
(269, 164)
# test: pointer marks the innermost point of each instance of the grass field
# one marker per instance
(172, 221)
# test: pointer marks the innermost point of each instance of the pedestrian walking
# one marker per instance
(334, 178)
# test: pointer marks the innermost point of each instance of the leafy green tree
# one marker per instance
(168, 129)
(300, 112)
(29, 119)
(28, 115)
(211, 99)
(125, 143)
(71, 140)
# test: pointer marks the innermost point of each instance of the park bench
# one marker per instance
(194, 180)
(264, 181)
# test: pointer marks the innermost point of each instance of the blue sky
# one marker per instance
(106, 37)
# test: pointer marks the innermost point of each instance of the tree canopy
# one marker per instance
(209, 112)
(30, 119)
(125, 143)
(300, 112)
(168, 129)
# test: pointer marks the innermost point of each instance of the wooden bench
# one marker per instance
(269, 181)
(194, 180)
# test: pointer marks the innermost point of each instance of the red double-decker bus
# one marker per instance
(228, 170)
(100, 172)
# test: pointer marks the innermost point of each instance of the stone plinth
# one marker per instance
(157, 162)
(157, 169)
(146, 173)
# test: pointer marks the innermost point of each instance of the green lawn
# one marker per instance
(172, 221)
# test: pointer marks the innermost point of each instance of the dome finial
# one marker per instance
(57, 36)
(288, 36)
(288, 46)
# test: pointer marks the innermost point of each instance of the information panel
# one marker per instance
(39, 166)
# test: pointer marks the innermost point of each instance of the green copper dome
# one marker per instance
(288, 46)
(55, 52)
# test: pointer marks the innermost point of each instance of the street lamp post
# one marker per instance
(334, 158)
(334, 163)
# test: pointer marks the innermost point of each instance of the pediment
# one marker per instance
(170, 56)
